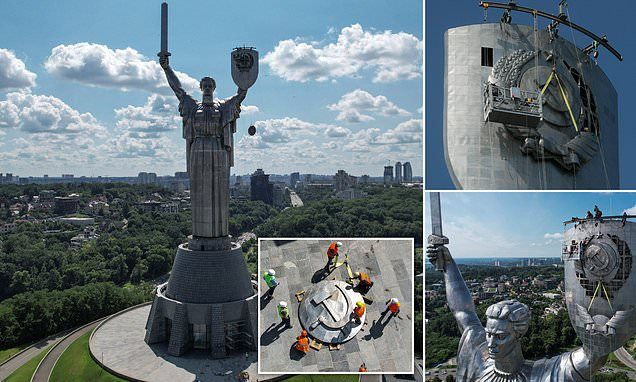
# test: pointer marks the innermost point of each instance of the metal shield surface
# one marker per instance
(600, 282)
(244, 67)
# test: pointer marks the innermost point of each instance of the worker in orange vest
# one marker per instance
(302, 342)
(365, 282)
(332, 253)
(359, 310)
(363, 368)
(393, 306)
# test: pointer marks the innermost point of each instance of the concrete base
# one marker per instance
(208, 303)
(118, 346)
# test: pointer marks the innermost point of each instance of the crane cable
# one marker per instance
(596, 133)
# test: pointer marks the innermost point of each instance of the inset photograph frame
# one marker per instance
(331, 318)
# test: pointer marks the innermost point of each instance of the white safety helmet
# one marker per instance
(271, 272)
(357, 274)
(394, 300)
(282, 304)
(339, 244)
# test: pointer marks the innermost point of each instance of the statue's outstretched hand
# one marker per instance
(438, 255)
(164, 62)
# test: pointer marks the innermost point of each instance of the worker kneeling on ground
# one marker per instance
(270, 280)
(393, 306)
(332, 254)
(283, 313)
(365, 282)
(359, 310)
(302, 342)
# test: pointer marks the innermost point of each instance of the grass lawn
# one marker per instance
(323, 378)
(24, 373)
(76, 364)
(7, 353)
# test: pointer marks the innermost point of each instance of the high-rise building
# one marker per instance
(342, 180)
(398, 172)
(294, 178)
(388, 175)
(408, 172)
(147, 178)
(364, 179)
(261, 188)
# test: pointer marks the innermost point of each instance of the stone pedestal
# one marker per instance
(208, 303)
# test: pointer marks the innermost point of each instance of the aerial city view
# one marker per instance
(135, 198)
(346, 191)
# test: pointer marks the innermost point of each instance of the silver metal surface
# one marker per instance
(484, 154)
(326, 312)
(600, 285)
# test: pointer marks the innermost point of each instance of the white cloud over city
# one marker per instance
(13, 72)
(99, 65)
(357, 106)
(389, 56)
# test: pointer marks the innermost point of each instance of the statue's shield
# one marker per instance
(244, 67)
(600, 282)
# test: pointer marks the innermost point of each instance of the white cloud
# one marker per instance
(99, 65)
(13, 72)
(392, 56)
(352, 106)
(158, 114)
(406, 132)
(555, 236)
(337, 131)
(33, 113)
(249, 109)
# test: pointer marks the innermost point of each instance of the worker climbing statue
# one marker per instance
(493, 352)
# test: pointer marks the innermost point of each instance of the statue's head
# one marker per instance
(507, 321)
(207, 86)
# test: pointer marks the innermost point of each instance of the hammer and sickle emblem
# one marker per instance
(243, 60)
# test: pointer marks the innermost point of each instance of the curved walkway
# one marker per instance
(46, 365)
(12, 364)
(625, 358)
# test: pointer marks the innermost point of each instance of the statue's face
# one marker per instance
(207, 87)
(500, 338)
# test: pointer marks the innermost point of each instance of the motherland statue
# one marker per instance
(494, 353)
(209, 301)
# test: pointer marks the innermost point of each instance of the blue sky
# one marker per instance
(615, 20)
(517, 224)
(340, 84)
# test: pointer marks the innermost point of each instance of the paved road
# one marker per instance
(295, 199)
(6, 369)
(625, 358)
(46, 366)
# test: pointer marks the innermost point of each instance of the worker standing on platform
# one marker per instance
(283, 313)
(302, 342)
(272, 283)
(393, 305)
(365, 282)
(359, 310)
(332, 254)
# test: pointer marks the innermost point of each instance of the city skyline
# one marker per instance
(90, 99)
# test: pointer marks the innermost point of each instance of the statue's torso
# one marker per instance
(206, 122)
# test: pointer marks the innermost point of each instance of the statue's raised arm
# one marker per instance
(458, 295)
(173, 80)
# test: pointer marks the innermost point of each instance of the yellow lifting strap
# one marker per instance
(600, 284)
(594, 295)
(565, 98)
